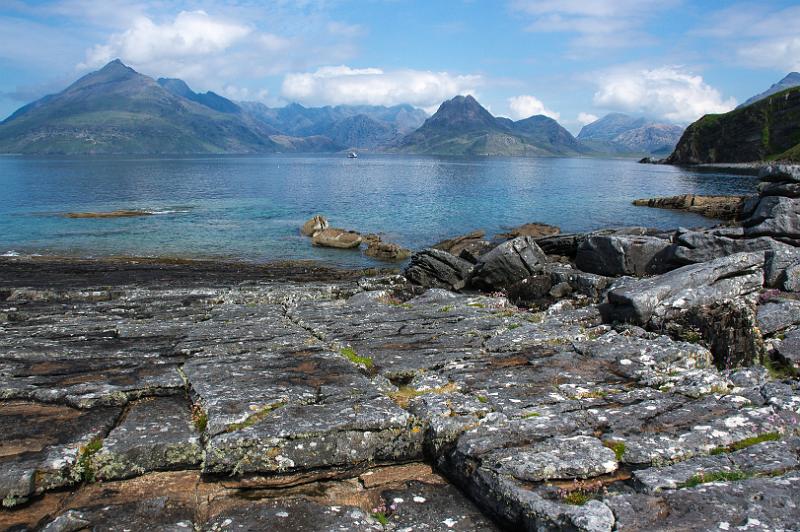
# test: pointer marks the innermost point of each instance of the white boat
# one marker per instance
(352, 155)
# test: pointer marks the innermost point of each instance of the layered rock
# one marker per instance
(508, 263)
(433, 268)
(621, 255)
(720, 207)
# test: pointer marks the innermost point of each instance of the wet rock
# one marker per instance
(778, 314)
(506, 264)
(720, 207)
(433, 268)
(156, 435)
(314, 225)
(387, 251)
(336, 238)
(621, 255)
(782, 269)
(534, 230)
(659, 299)
(693, 247)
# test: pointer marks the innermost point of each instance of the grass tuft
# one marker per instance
(747, 442)
(617, 446)
(716, 476)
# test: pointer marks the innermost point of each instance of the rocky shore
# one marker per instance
(627, 379)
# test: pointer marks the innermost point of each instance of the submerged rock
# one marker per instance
(386, 251)
(336, 238)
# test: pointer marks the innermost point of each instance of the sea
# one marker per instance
(250, 208)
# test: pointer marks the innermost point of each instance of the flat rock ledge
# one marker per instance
(251, 403)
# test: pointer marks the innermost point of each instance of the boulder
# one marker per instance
(789, 349)
(790, 190)
(371, 238)
(782, 269)
(336, 238)
(653, 302)
(563, 244)
(621, 255)
(314, 225)
(535, 230)
(692, 247)
(777, 173)
(386, 251)
(434, 268)
(775, 216)
(531, 292)
(778, 314)
(508, 263)
(456, 245)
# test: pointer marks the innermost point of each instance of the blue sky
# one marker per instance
(574, 60)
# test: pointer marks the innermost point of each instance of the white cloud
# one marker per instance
(525, 105)
(760, 36)
(374, 86)
(668, 93)
(586, 118)
(597, 23)
(191, 34)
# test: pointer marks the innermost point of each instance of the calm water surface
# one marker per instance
(251, 207)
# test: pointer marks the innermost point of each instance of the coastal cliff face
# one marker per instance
(766, 130)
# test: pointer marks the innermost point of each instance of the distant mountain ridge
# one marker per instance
(622, 134)
(461, 126)
(117, 110)
(789, 81)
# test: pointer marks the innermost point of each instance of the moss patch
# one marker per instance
(350, 354)
(716, 476)
(747, 442)
(617, 446)
(404, 394)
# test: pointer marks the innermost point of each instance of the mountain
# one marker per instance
(462, 126)
(768, 129)
(118, 110)
(354, 126)
(212, 100)
(620, 134)
(791, 80)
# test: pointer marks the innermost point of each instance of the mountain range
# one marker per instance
(789, 81)
(117, 110)
(622, 134)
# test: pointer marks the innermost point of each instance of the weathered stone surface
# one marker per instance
(508, 263)
(387, 251)
(157, 434)
(653, 301)
(473, 242)
(789, 190)
(692, 247)
(781, 269)
(789, 348)
(621, 255)
(316, 224)
(721, 207)
(778, 314)
(433, 268)
(336, 238)
(775, 216)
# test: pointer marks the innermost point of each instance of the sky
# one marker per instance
(573, 60)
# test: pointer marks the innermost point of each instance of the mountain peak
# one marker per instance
(464, 112)
(792, 79)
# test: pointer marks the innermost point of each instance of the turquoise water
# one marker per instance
(251, 207)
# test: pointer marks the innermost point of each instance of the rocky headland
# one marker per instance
(626, 379)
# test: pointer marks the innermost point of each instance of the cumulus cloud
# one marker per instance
(374, 86)
(669, 93)
(526, 105)
(191, 34)
(586, 118)
(596, 23)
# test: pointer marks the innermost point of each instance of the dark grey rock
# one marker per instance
(692, 247)
(433, 268)
(780, 268)
(508, 263)
(776, 173)
(621, 255)
(789, 348)
(775, 216)
(659, 299)
(789, 190)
